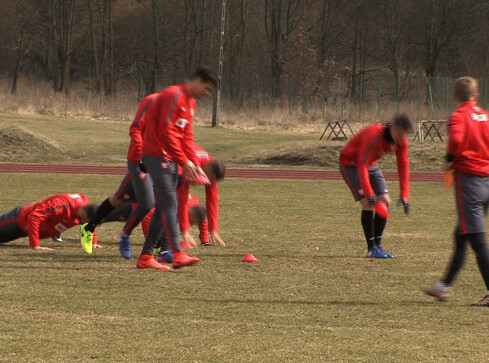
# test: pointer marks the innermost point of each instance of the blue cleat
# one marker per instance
(375, 252)
(125, 246)
(165, 256)
(387, 254)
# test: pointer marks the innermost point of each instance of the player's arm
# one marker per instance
(36, 217)
(456, 135)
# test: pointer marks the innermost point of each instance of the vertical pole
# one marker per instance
(378, 98)
(360, 98)
(417, 103)
(215, 115)
(274, 90)
(398, 93)
(257, 92)
(140, 84)
(324, 96)
(342, 95)
(305, 95)
(89, 76)
(430, 96)
(446, 94)
(290, 95)
(242, 92)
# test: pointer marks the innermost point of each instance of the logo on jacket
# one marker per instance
(60, 227)
(181, 122)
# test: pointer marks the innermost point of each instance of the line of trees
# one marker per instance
(109, 41)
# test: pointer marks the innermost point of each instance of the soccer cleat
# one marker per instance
(483, 302)
(56, 238)
(181, 259)
(436, 291)
(165, 256)
(205, 244)
(86, 239)
(148, 261)
(387, 254)
(374, 252)
(125, 246)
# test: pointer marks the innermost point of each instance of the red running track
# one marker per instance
(230, 172)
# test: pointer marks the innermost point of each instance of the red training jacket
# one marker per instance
(50, 216)
(192, 201)
(368, 146)
(168, 129)
(468, 139)
(135, 150)
(211, 196)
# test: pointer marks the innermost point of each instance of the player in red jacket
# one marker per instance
(136, 186)
(215, 171)
(168, 140)
(468, 158)
(358, 166)
(46, 218)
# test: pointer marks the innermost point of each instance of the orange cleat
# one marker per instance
(181, 259)
(148, 261)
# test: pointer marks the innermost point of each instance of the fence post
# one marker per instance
(274, 89)
(417, 103)
(324, 96)
(360, 98)
(430, 96)
(140, 84)
(89, 76)
(242, 92)
(379, 80)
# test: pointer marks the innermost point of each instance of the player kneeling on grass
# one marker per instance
(358, 167)
(46, 218)
(468, 158)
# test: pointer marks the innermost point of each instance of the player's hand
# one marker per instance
(372, 200)
(405, 204)
(189, 239)
(97, 246)
(214, 236)
(39, 248)
(142, 167)
(385, 199)
(190, 171)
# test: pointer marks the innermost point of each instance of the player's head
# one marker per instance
(465, 89)
(201, 83)
(400, 125)
(197, 214)
(86, 212)
(215, 170)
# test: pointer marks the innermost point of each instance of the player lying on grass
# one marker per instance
(358, 167)
(468, 157)
(46, 218)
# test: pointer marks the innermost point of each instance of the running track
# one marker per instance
(230, 172)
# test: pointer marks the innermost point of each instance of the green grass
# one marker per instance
(312, 297)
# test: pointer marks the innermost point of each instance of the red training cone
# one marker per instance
(249, 258)
(185, 244)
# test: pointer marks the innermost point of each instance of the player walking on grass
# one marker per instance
(358, 167)
(468, 157)
(167, 141)
(215, 171)
(136, 186)
(46, 218)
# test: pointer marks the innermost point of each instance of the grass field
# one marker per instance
(312, 297)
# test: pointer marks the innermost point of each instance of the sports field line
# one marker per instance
(230, 172)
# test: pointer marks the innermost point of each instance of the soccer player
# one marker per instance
(136, 186)
(358, 167)
(468, 157)
(167, 141)
(215, 171)
(46, 218)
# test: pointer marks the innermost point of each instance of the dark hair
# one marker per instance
(90, 210)
(199, 212)
(205, 75)
(401, 120)
(218, 168)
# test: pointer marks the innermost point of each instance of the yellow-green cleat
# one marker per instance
(86, 239)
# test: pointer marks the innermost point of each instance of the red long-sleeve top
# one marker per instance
(192, 201)
(50, 216)
(468, 139)
(367, 147)
(168, 131)
(135, 150)
(211, 196)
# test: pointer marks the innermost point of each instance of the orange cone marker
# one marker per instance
(249, 258)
